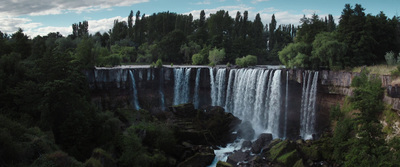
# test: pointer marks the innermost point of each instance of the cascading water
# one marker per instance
(274, 108)
(196, 90)
(135, 101)
(286, 105)
(218, 89)
(181, 87)
(308, 104)
(161, 89)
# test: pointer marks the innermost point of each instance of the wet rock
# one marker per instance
(246, 144)
(263, 140)
(238, 156)
(246, 131)
(223, 164)
(204, 156)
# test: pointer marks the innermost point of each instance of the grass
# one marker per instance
(381, 69)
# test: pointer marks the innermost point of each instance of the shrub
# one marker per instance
(198, 59)
(249, 60)
(216, 56)
(159, 63)
(390, 58)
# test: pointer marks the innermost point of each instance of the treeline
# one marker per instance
(358, 40)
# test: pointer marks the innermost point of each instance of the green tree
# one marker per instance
(216, 55)
(328, 50)
(249, 60)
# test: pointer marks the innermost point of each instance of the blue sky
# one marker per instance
(39, 17)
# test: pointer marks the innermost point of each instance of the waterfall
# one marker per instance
(258, 116)
(196, 90)
(212, 85)
(229, 91)
(161, 88)
(181, 87)
(148, 74)
(286, 104)
(308, 104)
(135, 101)
(218, 87)
(274, 108)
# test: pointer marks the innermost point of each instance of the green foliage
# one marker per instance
(289, 159)
(249, 60)
(216, 55)
(328, 50)
(336, 114)
(390, 58)
(198, 59)
(159, 63)
(396, 72)
(294, 55)
(139, 138)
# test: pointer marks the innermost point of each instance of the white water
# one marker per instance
(218, 87)
(196, 90)
(161, 89)
(181, 86)
(135, 101)
(274, 108)
(308, 104)
(286, 105)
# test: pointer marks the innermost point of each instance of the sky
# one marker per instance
(40, 17)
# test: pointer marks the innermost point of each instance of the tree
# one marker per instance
(130, 25)
(216, 55)
(328, 50)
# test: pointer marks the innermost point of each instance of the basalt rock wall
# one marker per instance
(112, 88)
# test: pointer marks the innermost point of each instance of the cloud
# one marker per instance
(103, 25)
(206, 2)
(258, 1)
(10, 25)
(47, 7)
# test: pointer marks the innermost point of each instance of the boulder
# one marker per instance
(204, 156)
(238, 156)
(223, 164)
(184, 110)
(246, 144)
(246, 131)
(263, 140)
(289, 159)
(280, 149)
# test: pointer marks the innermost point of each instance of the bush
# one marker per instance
(113, 60)
(198, 59)
(390, 58)
(159, 63)
(249, 60)
(216, 56)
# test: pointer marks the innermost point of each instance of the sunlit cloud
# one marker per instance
(53, 7)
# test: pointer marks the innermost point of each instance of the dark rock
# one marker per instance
(262, 141)
(184, 110)
(237, 157)
(246, 144)
(223, 164)
(246, 131)
(204, 156)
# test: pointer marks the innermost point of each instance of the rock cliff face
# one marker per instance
(155, 87)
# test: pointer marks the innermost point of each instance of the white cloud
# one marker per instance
(47, 7)
(10, 25)
(206, 2)
(258, 1)
(103, 25)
